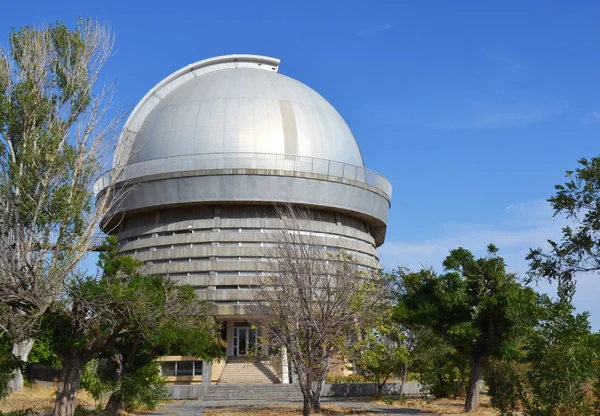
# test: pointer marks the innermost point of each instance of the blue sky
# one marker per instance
(473, 110)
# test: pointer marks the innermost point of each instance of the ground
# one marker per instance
(442, 407)
(41, 399)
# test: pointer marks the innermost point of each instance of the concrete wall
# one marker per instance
(182, 392)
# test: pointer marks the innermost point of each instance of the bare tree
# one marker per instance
(310, 303)
(57, 134)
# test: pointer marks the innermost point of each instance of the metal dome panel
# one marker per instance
(237, 104)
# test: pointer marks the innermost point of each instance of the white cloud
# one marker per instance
(526, 226)
(371, 31)
(593, 117)
(498, 119)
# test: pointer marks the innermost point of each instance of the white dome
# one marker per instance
(237, 103)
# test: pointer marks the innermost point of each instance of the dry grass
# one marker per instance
(279, 411)
(40, 399)
(445, 407)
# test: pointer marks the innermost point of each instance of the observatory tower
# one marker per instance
(210, 150)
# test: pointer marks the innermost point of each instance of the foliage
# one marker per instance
(121, 308)
(42, 351)
(143, 388)
(8, 364)
(92, 382)
(179, 326)
(506, 382)
(561, 356)
(379, 352)
(476, 306)
(579, 249)
(349, 379)
(553, 374)
(56, 136)
(440, 369)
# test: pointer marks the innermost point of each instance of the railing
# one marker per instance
(267, 161)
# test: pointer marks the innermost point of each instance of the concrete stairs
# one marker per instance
(239, 370)
(283, 392)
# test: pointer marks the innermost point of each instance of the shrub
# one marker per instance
(349, 379)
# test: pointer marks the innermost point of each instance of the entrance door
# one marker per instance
(245, 339)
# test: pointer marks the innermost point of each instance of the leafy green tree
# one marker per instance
(561, 356)
(554, 369)
(98, 312)
(133, 374)
(56, 134)
(441, 371)
(579, 250)
(476, 306)
(380, 352)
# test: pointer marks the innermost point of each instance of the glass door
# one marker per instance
(245, 340)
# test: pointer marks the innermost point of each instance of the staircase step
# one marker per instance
(245, 391)
(240, 371)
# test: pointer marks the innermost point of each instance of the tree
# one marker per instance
(133, 374)
(475, 306)
(556, 365)
(579, 250)
(380, 353)
(561, 356)
(441, 371)
(56, 135)
(98, 312)
(311, 302)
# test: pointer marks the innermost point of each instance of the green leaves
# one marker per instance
(474, 306)
(579, 249)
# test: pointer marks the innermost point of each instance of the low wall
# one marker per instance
(411, 388)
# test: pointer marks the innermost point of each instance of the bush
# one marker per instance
(555, 374)
(349, 379)
(505, 382)
(445, 376)
(144, 389)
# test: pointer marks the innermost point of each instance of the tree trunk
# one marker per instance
(115, 405)
(316, 396)
(68, 385)
(474, 387)
(404, 375)
(20, 350)
(306, 407)
(379, 390)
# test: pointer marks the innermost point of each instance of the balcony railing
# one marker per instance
(266, 161)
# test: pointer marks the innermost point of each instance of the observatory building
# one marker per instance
(210, 151)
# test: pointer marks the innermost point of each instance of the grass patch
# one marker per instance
(445, 407)
(40, 399)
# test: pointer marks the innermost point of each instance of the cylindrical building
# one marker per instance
(210, 151)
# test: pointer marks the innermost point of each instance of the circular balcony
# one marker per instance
(196, 164)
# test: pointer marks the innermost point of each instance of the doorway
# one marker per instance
(245, 340)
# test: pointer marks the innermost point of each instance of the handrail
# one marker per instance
(266, 161)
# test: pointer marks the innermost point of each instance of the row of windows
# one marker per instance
(226, 287)
(229, 258)
(240, 230)
(236, 244)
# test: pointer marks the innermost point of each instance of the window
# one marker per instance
(181, 368)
